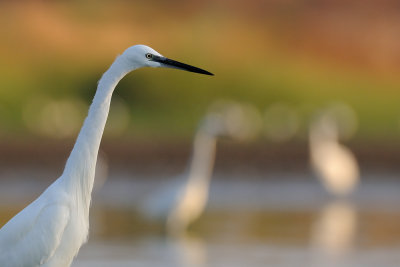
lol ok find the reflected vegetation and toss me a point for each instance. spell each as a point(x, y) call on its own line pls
point(289, 228)
point(276, 228)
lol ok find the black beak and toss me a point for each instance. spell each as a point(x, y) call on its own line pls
point(178, 65)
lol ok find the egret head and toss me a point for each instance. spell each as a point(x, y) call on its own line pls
point(232, 120)
point(144, 56)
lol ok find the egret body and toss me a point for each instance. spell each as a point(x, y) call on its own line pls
point(183, 200)
point(50, 230)
point(334, 164)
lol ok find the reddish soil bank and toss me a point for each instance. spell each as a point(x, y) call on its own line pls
point(172, 157)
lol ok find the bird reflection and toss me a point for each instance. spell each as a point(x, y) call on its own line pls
point(188, 250)
point(333, 234)
point(180, 203)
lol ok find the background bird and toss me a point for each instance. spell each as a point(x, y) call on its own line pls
point(334, 164)
point(183, 200)
point(50, 230)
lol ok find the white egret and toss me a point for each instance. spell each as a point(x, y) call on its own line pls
point(334, 164)
point(50, 230)
point(183, 200)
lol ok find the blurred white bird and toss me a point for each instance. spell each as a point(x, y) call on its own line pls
point(50, 230)
point(183, 200)
point(334, 164)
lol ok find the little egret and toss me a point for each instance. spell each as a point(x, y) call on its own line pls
point(50, 230)
point(183, 200)
point(333, 163)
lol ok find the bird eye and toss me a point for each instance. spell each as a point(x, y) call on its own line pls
point(149, 56)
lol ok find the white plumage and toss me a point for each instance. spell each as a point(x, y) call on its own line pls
point(335, 164)
point(50, 230)
point(183, 200)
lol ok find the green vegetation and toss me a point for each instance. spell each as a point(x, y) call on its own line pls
point(59, 51)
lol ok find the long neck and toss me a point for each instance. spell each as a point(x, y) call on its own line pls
point(203, 158)
point(80, 167)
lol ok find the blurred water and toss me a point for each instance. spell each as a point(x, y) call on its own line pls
point(155, 253)
point(286, 220)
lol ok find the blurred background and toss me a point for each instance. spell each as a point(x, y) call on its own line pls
point(287, 61)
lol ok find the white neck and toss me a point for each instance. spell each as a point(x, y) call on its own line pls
point(80, 167)
point(203, 158)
